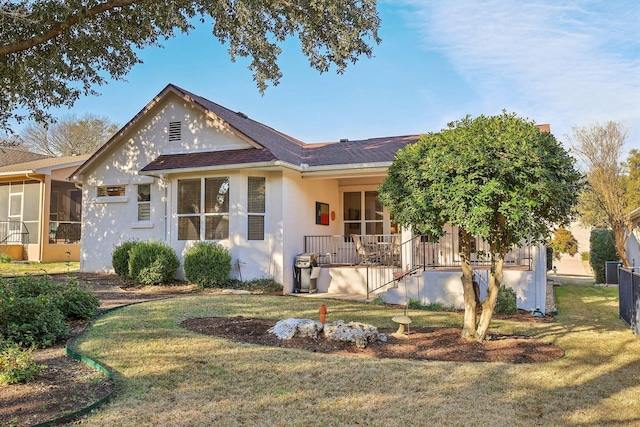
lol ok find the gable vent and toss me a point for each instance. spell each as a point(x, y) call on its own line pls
point(175, 131)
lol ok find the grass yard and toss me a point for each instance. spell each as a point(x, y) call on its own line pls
point(167, 375)
point(37, 269)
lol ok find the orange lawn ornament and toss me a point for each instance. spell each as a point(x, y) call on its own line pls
point(323, 313)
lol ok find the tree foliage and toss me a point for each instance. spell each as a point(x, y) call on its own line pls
point(563, 242)
point(68, 136)
point(632, 166)
point(600, 148)
point(51, 52)
point(499, 178)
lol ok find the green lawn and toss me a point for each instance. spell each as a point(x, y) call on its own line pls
point(170, 376)
point(34, 268)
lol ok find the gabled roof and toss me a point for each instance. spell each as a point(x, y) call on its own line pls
point(44, 166)
point(10, 156)
point(271, 146)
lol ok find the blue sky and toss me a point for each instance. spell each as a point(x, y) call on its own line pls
point(568, 63)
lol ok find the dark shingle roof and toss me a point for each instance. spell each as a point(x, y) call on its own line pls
point(209, 159)
point(283, 147)
point(271, 145)
point(375, 150)
point(11, 156)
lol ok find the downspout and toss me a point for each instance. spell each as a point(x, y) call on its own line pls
point(166, 205)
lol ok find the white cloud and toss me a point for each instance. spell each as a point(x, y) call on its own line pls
point(568, 64)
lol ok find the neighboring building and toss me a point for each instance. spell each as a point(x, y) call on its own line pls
point(11, 156)
point(40, 211)
point(633, 244)
point(185, 169)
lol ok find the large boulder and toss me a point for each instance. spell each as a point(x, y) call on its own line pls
point(289, 328)
point(359, 333)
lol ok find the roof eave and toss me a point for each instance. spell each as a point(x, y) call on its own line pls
point(345, 171)
point(258, 165)
point(18, 173)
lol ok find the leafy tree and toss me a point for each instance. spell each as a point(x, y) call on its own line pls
point(499, 178)
point(68, 136)
point(51, 52)
point(633, 179)
point(563, 242)
point(599, 148)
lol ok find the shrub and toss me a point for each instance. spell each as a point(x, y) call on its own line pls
point(120, 258)
point(602, 250)
point(152, 263)
point(585, 256)
point(76, 301)
point(549, 258)
point(33, 321)
point(33, 311)
point(5, 258)
point(439, 306)
point(17, 364)
point(263, 285)
point(207, 264)
point(377, 300)
point(506, 301)
point(414, 304)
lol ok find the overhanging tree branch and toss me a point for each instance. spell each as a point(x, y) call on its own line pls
point(58, 28)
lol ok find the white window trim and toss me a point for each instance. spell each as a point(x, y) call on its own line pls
point(111, 199)
point(258, 214)
point(203, 215)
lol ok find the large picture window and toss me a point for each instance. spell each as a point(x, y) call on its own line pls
point(203, 208)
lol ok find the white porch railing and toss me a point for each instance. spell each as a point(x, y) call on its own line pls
point(13, 233)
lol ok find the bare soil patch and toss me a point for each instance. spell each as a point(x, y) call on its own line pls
point(68, 385)
point(420, 343)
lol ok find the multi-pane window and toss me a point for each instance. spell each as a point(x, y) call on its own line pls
point(144, 202)
point(256, 207)
point(111, 190)
point(203, 208)
point(355, 204)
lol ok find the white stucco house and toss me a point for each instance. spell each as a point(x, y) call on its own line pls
point(186, 169)
point(633, 243)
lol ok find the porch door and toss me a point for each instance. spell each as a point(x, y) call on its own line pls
point(15, 215)
point(363, 213)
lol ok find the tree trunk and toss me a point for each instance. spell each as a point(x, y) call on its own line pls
point(469, 325)
point(489, 303)
point(622, 231)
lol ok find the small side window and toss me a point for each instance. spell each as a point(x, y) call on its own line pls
point(144, 202)
point(111, 190)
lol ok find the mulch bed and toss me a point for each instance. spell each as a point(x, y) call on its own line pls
point(442, 344)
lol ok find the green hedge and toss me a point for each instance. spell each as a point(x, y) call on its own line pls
point(506, 301)
point(602, 250)
point(120, 258)
point(34, 311)
point(207, 265)
point(147, 263)
point(152, 263)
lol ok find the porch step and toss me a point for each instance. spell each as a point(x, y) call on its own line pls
point(403, 290)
